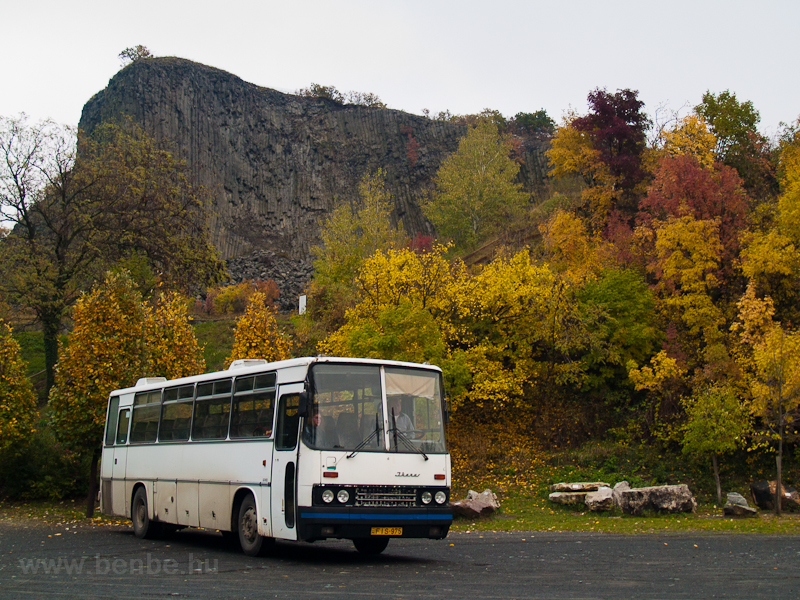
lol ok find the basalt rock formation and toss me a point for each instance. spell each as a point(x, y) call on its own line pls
point(277, 163)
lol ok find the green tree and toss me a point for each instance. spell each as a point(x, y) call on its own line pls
point(730, 121)
point(717, 423)
point(110, 348)
point(353, 232)
point(476, 189)
point(739, 144)
point(75, 214)
point(536, 123)
point(17, 400)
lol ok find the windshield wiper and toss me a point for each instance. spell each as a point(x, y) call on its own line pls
point(404, 438)
point(366, 441)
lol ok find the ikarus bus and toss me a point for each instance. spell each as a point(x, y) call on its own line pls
point(302, 449)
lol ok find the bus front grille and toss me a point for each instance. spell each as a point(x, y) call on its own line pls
point(373, 495)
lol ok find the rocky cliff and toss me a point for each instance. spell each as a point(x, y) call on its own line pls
point(278, 163)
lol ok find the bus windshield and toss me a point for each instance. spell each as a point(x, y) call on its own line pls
point(350, 412)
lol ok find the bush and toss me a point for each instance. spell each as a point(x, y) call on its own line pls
point(42, 470)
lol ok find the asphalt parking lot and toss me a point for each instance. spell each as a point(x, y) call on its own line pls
point(92, 561)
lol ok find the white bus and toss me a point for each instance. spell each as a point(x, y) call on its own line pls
point(301, 449)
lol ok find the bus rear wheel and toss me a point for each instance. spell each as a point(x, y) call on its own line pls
point(251, 542)
point(370, 545)
point(143, 527)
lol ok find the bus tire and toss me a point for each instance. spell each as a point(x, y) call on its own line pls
point(251, 542)
point(143, 527)
point(371, 545)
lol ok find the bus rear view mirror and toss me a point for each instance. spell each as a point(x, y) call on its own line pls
point(302, 408)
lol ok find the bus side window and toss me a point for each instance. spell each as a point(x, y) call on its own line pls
point(288, 422)
point(122, 428)
point(111, 419)
point(146, 411)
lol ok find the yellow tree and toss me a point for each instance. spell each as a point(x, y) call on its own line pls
point(572, 154)
point(769, 358)
point(686, 256)
point(17, 399)
point(109, 349)
point(257, 334)
point(776, 391)
point(174, 350)
point(569, 247)
point(691, 137)
point(771, 258)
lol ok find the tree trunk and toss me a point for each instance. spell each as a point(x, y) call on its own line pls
point(716, 477)
point(778, 482)
point(93, 487)
point(51, 324)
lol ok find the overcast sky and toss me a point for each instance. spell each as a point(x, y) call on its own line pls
point(463, 56)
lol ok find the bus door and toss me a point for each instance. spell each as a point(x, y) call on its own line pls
point(284, 463)
point(119, 499)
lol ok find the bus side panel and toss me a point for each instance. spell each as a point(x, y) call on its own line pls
point(164, 501)
point(214, 510)
point(188, 503)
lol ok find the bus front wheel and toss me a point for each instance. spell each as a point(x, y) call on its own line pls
point(251, 542)
point(374, 545)
point(143, 527)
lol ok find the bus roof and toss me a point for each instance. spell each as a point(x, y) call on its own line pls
point(151, 383)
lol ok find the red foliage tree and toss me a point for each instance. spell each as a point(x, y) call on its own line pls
point(682, 187)
point(618, 128)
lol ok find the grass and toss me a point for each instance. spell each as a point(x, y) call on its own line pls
point(216, 337)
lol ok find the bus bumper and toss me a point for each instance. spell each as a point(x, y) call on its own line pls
point(316, 523)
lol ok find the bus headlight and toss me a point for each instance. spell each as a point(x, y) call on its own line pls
point(440, 497)
point(327, 496)
point(343, 496)
point(426, 497)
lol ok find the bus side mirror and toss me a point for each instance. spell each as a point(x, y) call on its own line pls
point(302, 408)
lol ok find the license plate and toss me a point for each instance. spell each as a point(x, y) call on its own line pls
point(386, 531)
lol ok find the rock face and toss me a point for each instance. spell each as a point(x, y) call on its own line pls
point(277, 163)
point(291, 276)
point(664, 498)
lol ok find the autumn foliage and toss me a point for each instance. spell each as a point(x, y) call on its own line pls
point(116, 339)
point(257, 333)
point(17, 401)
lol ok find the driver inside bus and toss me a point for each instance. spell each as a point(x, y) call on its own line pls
point(402, 420)
point(314, 433)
